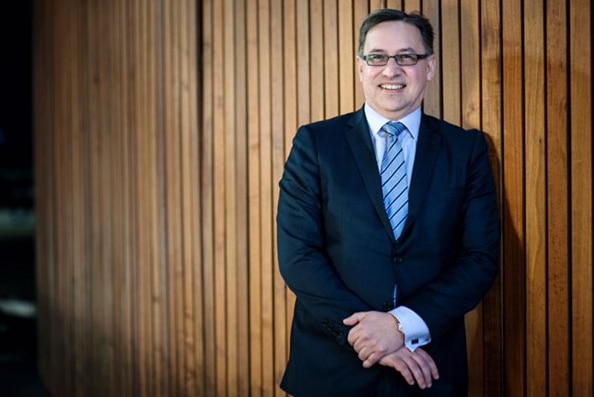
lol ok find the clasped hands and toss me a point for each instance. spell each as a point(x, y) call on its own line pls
point(376, 339)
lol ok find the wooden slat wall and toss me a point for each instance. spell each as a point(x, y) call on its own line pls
point(121, 288)
point(161, 132)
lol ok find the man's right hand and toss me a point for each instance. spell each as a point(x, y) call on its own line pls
point(413, 366)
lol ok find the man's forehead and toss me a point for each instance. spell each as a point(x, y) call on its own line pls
point(394, 32)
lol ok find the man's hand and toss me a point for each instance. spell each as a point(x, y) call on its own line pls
point(373, 335)
point(413, 366)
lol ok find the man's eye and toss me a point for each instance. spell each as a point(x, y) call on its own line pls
point(407, 57)
point(376, 57)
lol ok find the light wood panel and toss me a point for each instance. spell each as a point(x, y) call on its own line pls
point(161, 132)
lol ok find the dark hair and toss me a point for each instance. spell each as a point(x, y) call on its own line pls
point(387, 14)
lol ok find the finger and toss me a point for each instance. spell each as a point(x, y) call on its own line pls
point(356, 339)
point(417, 374)
point(355, 336)
point(369, 357)
point(419, 366)
point(362, 355)
point(353, 319)
point(361, 339)
point(431, 363)
point(351, 338)
point(396, 362)
point(415, 365)
point(422, 372)
point(406, 373)
point(371, 360)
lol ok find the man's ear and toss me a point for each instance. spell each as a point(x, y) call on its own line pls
point(431, 65)
point(360, 65)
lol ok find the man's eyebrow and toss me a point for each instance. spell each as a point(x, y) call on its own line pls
point(407, 50)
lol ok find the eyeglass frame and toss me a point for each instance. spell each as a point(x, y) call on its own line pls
point(397, 58)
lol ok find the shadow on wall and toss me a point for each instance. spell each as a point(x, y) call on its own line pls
point(18, 341)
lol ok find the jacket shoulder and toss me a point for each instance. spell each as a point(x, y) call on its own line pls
point(433, 123)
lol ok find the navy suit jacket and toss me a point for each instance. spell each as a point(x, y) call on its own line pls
point(337, 252)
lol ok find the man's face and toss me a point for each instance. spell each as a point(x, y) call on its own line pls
point(392, 90)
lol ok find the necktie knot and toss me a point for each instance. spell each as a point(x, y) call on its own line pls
point(393, 128)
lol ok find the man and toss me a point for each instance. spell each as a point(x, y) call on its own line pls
point(385, 261)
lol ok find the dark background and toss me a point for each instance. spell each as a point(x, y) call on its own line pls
point(18, 347)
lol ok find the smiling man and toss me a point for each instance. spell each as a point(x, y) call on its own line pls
point(388, 232)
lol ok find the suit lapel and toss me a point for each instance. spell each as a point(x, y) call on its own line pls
point(428, 145)
point(360, 143)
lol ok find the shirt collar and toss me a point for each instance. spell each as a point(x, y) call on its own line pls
point(376, 121)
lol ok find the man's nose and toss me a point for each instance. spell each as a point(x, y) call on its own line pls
point(392, 68)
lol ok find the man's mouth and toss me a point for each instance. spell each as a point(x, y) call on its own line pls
point(392, 87)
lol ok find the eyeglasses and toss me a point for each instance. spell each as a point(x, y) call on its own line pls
point(401, 59)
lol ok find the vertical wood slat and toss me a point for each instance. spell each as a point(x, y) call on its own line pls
point(557, 168)
point(360, 11)
point(450, 62)
point(160, 189)
point(265, 185)
point(207, 198)
point(331, 60)
point(471, 118)
point(513, 199)
point(581, 233)
point(535, 223)
point(194, 283)
point(254, 238)
point(491, 123)
point(241, 139)
point(290, 116)
point(433, 102)
point(317, 58)
point(347, 77)
point(228, 200)
point(280, 327)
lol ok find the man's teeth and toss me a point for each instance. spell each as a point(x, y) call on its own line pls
point(392, 86)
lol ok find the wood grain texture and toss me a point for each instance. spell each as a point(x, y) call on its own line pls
point(581, 204)
point(161, 131)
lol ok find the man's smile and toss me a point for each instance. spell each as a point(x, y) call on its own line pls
point(392, 86)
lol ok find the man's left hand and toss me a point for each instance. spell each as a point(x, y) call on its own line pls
point(417, 366)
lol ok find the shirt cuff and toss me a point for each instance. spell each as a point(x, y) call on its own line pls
point(416, 332)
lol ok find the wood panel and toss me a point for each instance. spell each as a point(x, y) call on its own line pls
point(117, 159)
point(490, 105)
point(513, 203)
point(161, 129)
point(580, 200)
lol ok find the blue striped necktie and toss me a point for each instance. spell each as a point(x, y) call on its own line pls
point(394, 181)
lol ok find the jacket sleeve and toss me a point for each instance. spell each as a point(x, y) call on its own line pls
point(303, 259)
point(475, 240)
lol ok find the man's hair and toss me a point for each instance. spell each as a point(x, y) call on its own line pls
point(387, 14)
